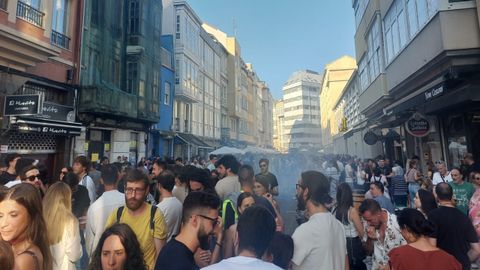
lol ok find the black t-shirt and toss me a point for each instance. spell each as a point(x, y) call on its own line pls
point(269, 178)
point(6, 177)
point(454, 232)
point(80, 201)
point(175, 256)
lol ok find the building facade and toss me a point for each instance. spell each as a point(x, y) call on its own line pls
point(119, 78)
point(161, 138)
point(200, 78)
point(278, 122)
point(39, 66)
point(427, 76)
point(301, 108)
point(335, 77)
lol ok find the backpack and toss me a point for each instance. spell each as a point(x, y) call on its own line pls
point(153, 210)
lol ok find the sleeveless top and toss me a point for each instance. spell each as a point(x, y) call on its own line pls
point(35, 258)
point(350, 230)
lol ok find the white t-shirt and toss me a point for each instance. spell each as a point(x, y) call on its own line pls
point(171, 209)
point(320, 243)
point(97, 216)
point(437, 178)
point(69, 250)
point(242, 263)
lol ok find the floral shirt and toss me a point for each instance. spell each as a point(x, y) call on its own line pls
point(474, 212)
point(393, 239)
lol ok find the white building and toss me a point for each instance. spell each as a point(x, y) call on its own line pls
point(199, 79)
point(301, 108)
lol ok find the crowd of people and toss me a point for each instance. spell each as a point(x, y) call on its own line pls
point(221, 214)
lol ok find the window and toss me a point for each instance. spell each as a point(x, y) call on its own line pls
point(33, 3)
point(3, 4)
point(155, 83)
point(403, 21)
point(134, 17)
point(59, 20)
point(360, 6)
point(166, 99)
point(132, 77)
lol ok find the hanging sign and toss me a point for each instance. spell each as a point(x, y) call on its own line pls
point(370, 138)
point(22, 105)
point(418, 125)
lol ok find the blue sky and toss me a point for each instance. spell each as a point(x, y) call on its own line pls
point(282, 36)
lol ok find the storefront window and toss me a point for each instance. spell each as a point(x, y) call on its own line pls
point(456, 139)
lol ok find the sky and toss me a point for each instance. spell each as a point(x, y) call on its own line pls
point(281, 36)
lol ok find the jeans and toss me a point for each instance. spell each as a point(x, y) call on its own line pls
point(412, 190)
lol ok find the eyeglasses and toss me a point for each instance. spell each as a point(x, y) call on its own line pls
point(32, 178)
point(297, 186)
point(263, 165)
point(130, 191)
point(213, 220)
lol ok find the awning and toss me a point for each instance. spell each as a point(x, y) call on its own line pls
point(193, 140)
point(48, 127)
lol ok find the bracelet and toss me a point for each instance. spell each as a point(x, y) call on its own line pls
point(218, 244)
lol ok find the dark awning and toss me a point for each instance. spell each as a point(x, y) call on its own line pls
point(193, 140)
point(48, 127)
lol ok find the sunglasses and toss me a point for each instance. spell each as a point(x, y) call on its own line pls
point(213, 220)
point(32, 178)
point(297, 186)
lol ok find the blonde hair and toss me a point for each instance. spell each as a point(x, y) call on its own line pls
point(57, 211)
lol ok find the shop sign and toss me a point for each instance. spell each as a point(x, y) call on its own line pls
point(418, 125)
point(370, 138)
point(54, 130)
point(4, 148)
point(435, 92)
point(52, 111)
point(22, 105)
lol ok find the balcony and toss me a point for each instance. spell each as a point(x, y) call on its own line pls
point(30, 14)
point(185, 95)
point(103, 100)
point(60, 40)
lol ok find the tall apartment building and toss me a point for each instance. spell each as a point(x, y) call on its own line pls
point(199, 81)
point(247, 97)
point(301, 107)
point(335, 78)
point(422, 83)
point(39, 66)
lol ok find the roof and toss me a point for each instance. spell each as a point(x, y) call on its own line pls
point(305, 76)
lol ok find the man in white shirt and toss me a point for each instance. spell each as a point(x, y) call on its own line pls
point(442, 175)
point(99, 211)
point(255, 229)
point(170, 206)
point(227, 168)
point(81, 167)
point(320, 243)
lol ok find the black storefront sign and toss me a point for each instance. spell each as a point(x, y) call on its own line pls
point(434, 92)
point(52, 111)
point(61, 130)
point(22, 105)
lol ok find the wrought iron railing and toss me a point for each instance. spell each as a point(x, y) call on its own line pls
point(60, 40)
point(30, 14)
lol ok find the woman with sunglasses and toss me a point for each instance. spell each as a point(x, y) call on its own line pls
point(474, 206)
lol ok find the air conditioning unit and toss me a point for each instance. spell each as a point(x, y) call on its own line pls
point(132, 50)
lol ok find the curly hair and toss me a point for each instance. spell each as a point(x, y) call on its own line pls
point(135, 259)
